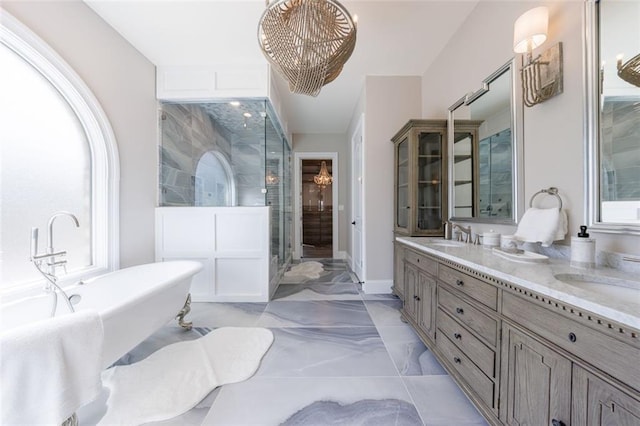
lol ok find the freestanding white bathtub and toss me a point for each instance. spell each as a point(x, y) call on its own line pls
point(132, 302)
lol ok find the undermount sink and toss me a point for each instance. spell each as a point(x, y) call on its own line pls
point(603, 285)
point(447, 243)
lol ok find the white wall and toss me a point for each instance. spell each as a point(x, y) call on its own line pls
point(331, 143)
point(554, 130)
point(123, 81)
point(390, 102)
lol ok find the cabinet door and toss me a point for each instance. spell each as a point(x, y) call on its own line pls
point(598, 403)
point(426, 305)
point(430, 185)
point(536, 382)
point(403, 194)
point(411, 290)
point(398, 271)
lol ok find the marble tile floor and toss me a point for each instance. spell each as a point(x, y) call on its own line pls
point(339, 357)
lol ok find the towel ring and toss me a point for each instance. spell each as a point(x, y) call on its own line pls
point(551, 191)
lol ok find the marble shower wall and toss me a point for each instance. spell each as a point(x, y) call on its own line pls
point(620, 149)
point(188, 132)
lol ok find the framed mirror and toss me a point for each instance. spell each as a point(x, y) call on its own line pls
point(485, 152)
point(613, 116)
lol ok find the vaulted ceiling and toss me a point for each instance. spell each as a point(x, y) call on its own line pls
point(395, 38)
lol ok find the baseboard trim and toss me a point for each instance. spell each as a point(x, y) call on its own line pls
point(377, 286)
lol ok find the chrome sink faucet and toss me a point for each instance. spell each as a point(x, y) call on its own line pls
point(466, 231)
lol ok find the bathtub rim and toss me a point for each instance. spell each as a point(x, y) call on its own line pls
point(31, 293)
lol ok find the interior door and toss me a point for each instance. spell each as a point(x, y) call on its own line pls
point(356, 223)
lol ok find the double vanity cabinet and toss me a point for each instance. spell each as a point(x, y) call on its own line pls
point(522, 357)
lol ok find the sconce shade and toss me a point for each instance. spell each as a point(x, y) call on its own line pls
point(530, 29)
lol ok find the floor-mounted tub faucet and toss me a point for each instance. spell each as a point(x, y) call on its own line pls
point(50, 262)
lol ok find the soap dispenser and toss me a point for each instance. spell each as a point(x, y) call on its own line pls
point(583, 250)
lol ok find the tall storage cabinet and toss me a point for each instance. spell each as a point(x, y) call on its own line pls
point(420, 184)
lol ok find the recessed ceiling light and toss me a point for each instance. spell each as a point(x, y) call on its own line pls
point(234, 103)
point(246, 114)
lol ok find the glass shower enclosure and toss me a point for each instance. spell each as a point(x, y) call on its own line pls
point(228, 153)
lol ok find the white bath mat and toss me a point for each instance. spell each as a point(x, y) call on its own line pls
point(174, 379)
point(308, 270)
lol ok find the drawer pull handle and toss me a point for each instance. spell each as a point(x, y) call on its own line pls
point(460, 283)
point(460, 311)
point(417, 298)
point(457, 360)
point(555, 422)
point(572, 338)
point(457, 336)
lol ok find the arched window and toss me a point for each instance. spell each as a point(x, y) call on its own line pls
point(57, 153)
point(215, 185)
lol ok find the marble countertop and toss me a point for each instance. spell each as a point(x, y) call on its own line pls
point(619, 304)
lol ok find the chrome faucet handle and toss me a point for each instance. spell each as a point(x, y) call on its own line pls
point(476, 240)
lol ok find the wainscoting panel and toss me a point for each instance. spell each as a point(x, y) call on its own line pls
point(232, 243)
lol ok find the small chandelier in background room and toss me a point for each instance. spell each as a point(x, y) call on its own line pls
point(630, 71)
point(271, 179)
point(323, 178)
point(542, 76)
point(307, 41)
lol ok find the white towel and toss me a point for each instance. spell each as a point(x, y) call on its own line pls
point(542, 225)
point(50, 368)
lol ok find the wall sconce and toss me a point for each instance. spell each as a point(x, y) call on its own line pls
point(542, 76)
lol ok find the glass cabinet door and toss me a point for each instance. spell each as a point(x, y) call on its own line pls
point(402, 184)
point(430, 185)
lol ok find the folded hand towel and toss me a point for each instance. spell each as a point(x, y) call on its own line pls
point(50, 368)
point(542, 225)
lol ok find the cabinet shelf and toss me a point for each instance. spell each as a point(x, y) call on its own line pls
point(459, 158)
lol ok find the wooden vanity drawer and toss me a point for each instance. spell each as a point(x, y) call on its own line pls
point(483, 292)
point(472, 317)
point(478, 352)
point(472, 375)
point(428, 265)
point(604, 352)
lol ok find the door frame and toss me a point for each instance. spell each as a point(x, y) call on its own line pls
point(297, 191)
point(359, 131)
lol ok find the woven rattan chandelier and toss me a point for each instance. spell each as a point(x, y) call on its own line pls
point(630, 72)
point(307, 41)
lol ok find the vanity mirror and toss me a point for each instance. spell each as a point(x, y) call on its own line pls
point(613, 117)
point(485, 152)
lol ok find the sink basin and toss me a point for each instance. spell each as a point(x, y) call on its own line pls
point(447, 243)
point(603, 285)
